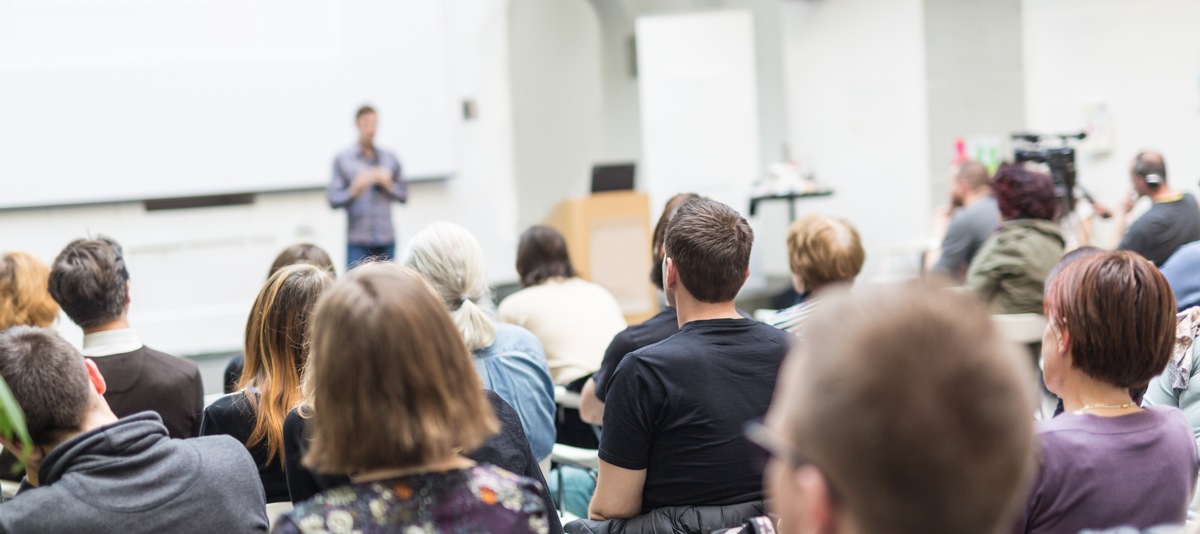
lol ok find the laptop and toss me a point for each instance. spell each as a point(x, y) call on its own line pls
point(613, 177)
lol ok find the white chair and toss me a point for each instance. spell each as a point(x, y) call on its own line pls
point(587, 459)
point(566, 398)
point(1026, 329)
point(276, 509)
point(9, 488)
point(1023, 328)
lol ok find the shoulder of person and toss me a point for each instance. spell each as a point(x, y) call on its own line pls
point(511, 337)
point(233, 405)
point(294, 424)
point(221, 452)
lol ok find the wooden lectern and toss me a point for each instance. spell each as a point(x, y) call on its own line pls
point(608, 235)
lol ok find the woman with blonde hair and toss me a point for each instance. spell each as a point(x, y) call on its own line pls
point(24, 301)
point(394, 400)
point(276, 351)
point(24, 291)
point(509, 359)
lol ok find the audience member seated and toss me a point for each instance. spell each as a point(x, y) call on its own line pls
point(396, 397)
point(24, 292)
point(1183, 272)
point(1010, 270)
point(24, 300)
point(972, 214)
point(1175, 386)
point(508, 450)
point(300, 253)
point(822, 251)
point(930, 434)
point(508, 358)
point(90, 472)
point(276, 349)
point(1106, 462)
point(1172, 222)
point(675, 410)
point(663, 325)
point(90, 281)
point(573, 318)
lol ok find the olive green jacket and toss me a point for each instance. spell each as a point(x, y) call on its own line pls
point(1010, 270)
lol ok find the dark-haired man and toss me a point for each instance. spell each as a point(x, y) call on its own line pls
point(1172, 222)
point(90, 472)
point(366, 179)
point(675, 410)
point(973, 216)
point(91, 284)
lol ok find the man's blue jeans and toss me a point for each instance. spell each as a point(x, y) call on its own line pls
point(355, 254)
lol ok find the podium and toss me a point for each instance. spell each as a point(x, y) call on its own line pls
point(608, 236)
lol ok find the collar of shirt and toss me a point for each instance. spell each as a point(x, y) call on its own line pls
point(361, 154)
point(110, 342)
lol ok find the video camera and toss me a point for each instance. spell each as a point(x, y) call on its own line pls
point(1060, 159)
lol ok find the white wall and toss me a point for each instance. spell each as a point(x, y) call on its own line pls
point(196, 272)
point(856, 100)
point(555, 66)
point(975, 78)
point(1141, 59)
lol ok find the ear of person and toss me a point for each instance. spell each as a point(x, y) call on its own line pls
point(817, 513)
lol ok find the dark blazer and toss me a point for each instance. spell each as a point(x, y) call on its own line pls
point(149, 380)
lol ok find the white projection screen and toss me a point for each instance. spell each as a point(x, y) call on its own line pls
point(112, 100)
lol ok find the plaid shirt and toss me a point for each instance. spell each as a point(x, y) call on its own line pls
point(369, 215)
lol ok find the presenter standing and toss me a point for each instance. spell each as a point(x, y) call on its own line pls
point(365, 181)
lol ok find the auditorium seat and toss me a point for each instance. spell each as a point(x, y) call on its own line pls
point(276, 509)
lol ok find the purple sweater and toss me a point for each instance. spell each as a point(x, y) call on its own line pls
point(1101, 472)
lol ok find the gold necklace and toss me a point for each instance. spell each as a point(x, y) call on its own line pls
point(1087, 407)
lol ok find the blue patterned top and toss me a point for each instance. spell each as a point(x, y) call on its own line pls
point(476, 499)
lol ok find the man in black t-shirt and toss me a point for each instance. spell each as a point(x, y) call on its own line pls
point(1172, 222)
point(676, 409)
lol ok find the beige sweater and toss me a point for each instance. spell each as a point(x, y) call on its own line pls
point(575, 320)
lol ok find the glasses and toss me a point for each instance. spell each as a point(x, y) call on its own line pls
point(766, 444)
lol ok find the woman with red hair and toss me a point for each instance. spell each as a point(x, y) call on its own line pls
point(1012, 265)
point(1105, 461)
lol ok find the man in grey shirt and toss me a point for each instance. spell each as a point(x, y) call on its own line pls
point(973, 219)
point(91, 472)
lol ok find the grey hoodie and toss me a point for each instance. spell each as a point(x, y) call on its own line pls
point(129, 477)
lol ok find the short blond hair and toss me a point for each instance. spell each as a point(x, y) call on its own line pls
point(824, 250)
point(393, 383)
point(25, 291)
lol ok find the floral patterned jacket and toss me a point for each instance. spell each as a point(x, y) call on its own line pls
point(478, 499)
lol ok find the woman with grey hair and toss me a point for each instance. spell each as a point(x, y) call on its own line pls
point(509, 359)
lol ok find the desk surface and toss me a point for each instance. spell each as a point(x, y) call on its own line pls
point(790, 197)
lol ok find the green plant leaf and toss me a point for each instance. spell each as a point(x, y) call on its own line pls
point(12, 422)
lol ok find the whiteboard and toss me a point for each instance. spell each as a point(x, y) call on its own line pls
point(109, 100)
point(699, 99)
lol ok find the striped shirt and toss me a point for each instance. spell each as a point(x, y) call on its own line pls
point(369, 215)
point(792, 319)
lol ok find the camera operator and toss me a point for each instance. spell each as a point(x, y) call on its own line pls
point(1173, 220)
